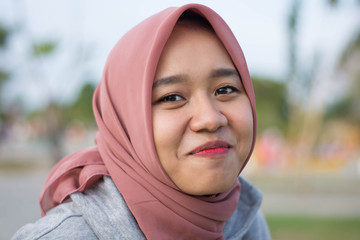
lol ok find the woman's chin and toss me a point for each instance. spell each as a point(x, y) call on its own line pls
point(208, 189)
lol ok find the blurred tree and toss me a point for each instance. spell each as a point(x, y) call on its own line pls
point(271, 104)
point(54, 126)
point(4, 34)
point(43, 48)
point(294, 88)
point(4, 77)
point(335, 3)
point(299, 82)
point(348, 107)
point(57, 117)
point(311, 122)
point(81, 109)
point(53, 113)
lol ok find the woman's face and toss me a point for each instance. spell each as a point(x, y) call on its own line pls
point(202, 118)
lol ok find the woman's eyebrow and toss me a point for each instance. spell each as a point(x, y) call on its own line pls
point(223, 72)
point(169, 80)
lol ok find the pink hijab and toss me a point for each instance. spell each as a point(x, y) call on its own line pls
point(125, 147)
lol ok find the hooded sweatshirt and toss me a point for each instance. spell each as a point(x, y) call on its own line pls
point(101, 213)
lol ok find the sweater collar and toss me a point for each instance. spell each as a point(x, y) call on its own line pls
point(97, 206)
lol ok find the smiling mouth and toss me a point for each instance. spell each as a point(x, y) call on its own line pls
point(211, 149)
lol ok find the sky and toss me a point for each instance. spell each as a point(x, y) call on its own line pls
point(85, 32)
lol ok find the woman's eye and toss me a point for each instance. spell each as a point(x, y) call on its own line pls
point(171, 98)
point(226, 90)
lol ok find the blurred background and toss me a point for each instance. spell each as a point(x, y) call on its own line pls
point(304, 58)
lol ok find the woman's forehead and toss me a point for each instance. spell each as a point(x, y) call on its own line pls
point(192, 49)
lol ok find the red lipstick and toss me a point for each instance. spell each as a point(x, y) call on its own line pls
point(211, 149)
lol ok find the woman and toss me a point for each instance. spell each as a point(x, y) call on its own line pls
point(176, 115)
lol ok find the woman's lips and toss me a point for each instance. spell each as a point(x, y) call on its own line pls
point(211, 149)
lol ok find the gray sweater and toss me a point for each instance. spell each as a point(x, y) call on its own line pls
point(92, 215)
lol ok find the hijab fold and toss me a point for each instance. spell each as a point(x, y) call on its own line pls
point(125, 148)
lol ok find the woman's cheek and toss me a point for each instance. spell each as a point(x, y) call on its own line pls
point(168, 126)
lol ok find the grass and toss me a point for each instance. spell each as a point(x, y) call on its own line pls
point(313, 228)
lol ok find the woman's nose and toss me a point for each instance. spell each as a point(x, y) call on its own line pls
point(206, 116)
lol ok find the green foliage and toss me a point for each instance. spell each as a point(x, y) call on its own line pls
point(339, 109)
point(81, 109)
point(307, 227)
point(294, 15)
point(352, 48)
point(3, 77)
point(292, 27)
point(43, 48)
point(78, 111)
point(4, 34)
point(271, 104)
point(346, 109)
point(333, 3)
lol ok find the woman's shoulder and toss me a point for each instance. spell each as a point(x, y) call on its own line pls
point(61, 222)
point(89, 215)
